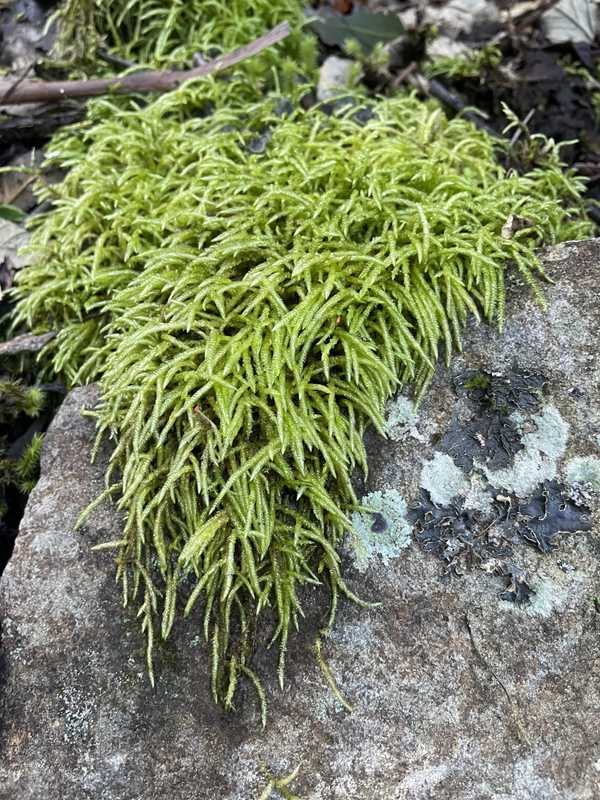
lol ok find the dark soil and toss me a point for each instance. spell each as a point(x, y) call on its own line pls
point(540, 81)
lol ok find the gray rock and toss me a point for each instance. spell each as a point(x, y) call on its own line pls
point(457, 693)
point(334, 77)
point(12, 238)
point(447, 47)
point(461, 17)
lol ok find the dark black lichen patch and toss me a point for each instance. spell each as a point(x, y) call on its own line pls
point(460, 537)
point(380, 524)
point(553, 510)
point(466, 540)
point(486, 531)
point(491, 437)
point(517, 588)
point(517, 390)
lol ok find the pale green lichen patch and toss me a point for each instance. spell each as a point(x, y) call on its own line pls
point(384, 531)
point(518, 418)
point(584, 469)
point(549, 596)
point(538, 461)
point(477, 498)
point(550, 436)
point(443, 479)
point(400, 417)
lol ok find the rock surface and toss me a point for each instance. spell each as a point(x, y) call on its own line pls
point(335, 76)
point(457, 693)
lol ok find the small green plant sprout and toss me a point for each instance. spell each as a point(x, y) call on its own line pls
point(376, 60)
point(249, 283)
point(527, 150)
point(26, 468)
point(476, 63)
point(18, 470)
point(16, 399)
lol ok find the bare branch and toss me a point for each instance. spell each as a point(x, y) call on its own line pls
point(150, 81)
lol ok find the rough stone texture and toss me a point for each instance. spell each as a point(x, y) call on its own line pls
point(13, 237)
point(457, 694)
point(334, 77)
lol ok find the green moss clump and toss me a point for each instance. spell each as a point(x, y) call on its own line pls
point(160, 34)
point(478, 381)
point(18, 466)
point(249, 288)
point(472, 64)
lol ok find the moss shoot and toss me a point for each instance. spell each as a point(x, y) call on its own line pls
point(249, 283)
point(159, 34)
point(18, 466)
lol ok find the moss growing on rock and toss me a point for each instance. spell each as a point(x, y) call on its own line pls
point(250, 283)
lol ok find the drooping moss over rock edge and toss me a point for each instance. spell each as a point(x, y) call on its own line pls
point(250, 283)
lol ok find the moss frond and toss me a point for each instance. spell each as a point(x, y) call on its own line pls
point(249, 310)
point(279, 786)
point(159, 34)
point(471, 64)
point(19, 451)
point(16, 399)
point(27, 466)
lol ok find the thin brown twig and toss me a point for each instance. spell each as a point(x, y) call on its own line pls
point(404, 74)
point(150, 81)
point(522, 127)
point(14, 85)
point(113, 60)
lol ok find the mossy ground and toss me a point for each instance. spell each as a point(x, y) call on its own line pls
point(158, 34)
point(20, 445)
point(250, 282)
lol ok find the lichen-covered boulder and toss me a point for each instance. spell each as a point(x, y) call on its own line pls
point(478, 676)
